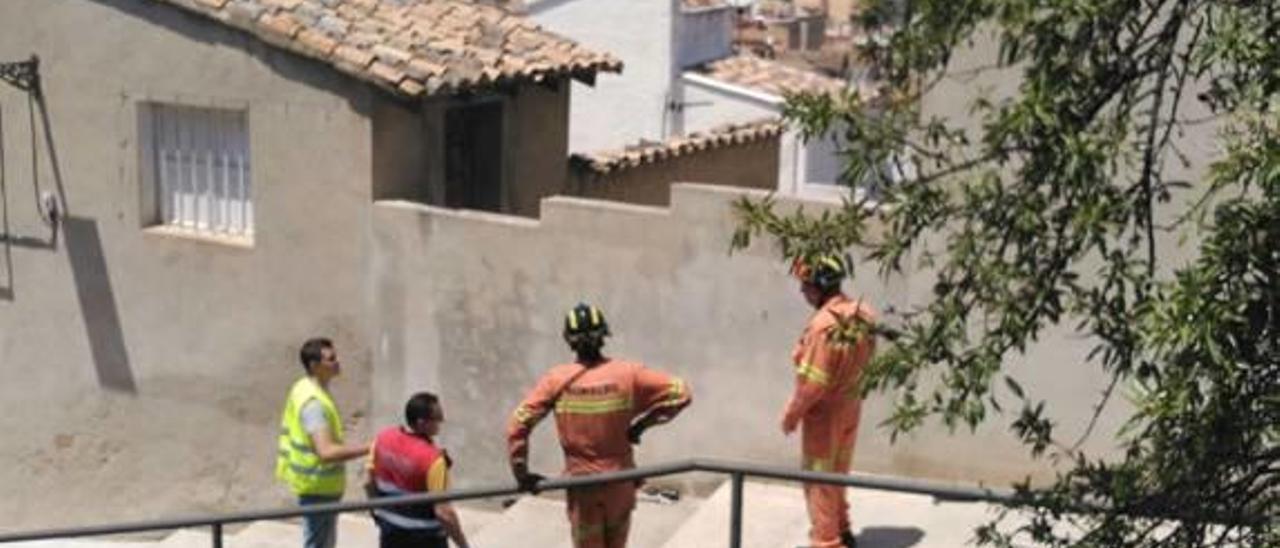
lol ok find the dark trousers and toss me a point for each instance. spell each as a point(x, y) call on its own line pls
point(392, 537)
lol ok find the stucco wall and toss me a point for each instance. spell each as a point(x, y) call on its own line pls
point(481, 331)
point(704, 34)
point(972, 74)
point(716, 103)
point(149, 369)
point(538, 137)
point(620, 108)
point(404, 165)
point(751, 165)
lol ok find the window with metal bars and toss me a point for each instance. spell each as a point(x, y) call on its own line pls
point(198, 174)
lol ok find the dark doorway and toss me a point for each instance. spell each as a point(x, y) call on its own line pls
point(473, 156)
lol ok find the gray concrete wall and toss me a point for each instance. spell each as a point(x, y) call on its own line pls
point(619, 109)
point(151, 366)
point(1063, 374)
point(799, 163)
point(404, 163)
point(481, 330)
point(538, 133)
point(704, 34)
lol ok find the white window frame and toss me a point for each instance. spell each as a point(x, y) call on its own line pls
point(196, 170)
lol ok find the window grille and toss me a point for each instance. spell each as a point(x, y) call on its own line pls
point(202, 169)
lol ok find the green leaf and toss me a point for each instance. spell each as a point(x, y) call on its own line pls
point(1014, 387)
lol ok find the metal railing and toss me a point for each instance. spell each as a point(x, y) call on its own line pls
point(737, 472)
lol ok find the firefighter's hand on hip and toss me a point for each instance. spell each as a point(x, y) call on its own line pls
point(789, 422)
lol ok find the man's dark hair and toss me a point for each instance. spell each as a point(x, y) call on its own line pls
point(311, 351)
point(419, 406)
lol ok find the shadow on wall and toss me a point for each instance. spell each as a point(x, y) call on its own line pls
point(84, 251)
point(889, 537)
point(35, 101)
point(93, 285)
point(98, 305)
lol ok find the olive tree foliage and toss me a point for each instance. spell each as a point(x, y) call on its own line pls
point(1048, 207)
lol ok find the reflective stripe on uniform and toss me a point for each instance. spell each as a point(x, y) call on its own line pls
point(812, 374)
point(592, 407)
point(675, 394)
point(387, 488)
point(816, 464)
point(404, 522)
point(300, 447)
point(522, 415)
point(676, 390)
point(322, 470)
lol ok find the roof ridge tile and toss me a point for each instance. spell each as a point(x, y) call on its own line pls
point(458, 43)
point(647, 151)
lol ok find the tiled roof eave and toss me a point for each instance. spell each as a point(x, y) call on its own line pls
point(606, 162)
point(771, 77)
point(440, 86)
point(286, 34)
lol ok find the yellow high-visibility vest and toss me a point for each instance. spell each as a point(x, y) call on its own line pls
point(297, 463)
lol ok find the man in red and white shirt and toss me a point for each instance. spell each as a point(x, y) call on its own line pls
point(405, 460)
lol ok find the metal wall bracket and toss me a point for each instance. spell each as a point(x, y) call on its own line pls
point(24, 75)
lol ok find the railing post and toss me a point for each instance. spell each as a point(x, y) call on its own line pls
point(735, 510)
point(217, 535)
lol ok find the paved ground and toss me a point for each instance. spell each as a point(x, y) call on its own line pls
point(774, 517)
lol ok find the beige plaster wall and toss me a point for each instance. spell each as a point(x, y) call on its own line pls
point(537, 145)
point(150, 368)
point(480, 331)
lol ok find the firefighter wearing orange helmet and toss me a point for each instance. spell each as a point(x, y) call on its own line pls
point(826, 404)
point(602, 407)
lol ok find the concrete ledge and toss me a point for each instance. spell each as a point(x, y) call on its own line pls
point(465, 214)
point(569, 203)
point(596, 217)
point(193, 235)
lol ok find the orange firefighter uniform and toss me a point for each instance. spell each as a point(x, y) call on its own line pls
point(827, 405)
point(594, 407)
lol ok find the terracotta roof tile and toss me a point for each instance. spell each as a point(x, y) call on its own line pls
point(355, 57)
point(770, 76)
point(702, 4)
point(648, 152)
point(320, 44)
point(411, 87)
point(411, 47)
point(387, 73)
point(283, 4)
point(282, 25)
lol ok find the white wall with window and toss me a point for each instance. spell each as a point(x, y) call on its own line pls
point(196, 169)
point(619, 109)
point(810, 168)
point(704, 34)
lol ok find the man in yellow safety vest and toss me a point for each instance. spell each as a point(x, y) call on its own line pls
point(311, 447)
